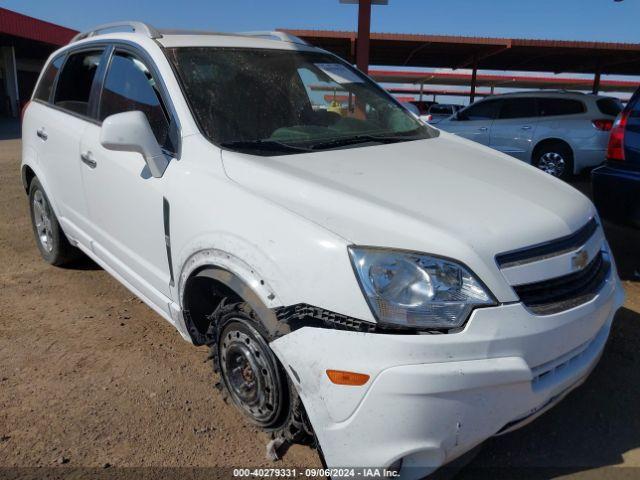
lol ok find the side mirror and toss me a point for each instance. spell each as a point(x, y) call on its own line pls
point(131, 132)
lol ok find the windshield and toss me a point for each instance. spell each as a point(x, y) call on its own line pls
point(288, 101)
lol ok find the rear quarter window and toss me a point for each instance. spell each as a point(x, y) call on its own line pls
point(76, 78)
point(550, 107)
point(609, 106)
point(44, 88)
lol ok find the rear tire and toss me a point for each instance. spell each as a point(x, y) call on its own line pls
point(251, 375)
point(50, 239)
point(554, 158)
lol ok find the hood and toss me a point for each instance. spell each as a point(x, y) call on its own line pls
point(446, 196)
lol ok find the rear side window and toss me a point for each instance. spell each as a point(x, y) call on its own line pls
point(609, 106)
point(486, 110)
point(129, 86)
point(74, 85)
point(559, 106)
point(518, 108)
point(43, 92)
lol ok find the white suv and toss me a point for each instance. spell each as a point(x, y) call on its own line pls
point(392, 294)
point(561, 133)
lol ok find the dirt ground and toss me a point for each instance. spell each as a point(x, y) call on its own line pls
point(91, 377)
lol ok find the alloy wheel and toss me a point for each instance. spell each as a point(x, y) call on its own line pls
point(552, 163)
point(42, 220)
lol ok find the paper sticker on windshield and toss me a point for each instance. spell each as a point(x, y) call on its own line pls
point(339, 73)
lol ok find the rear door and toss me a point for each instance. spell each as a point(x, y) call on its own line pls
point(512, 131)
point(474, 122)
point(59, 126)
point(127, 204)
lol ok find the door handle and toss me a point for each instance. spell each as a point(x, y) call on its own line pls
point(483, 129)
point(87, 157)
point(526, 127)
point(42, 133)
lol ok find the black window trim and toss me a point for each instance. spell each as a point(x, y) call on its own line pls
point(175, 127)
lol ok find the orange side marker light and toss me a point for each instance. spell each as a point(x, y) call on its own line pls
point(340, 377)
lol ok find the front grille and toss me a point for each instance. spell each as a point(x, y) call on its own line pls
point(561, 293)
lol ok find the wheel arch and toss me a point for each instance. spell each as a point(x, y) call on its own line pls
point(27, 175)
point(209, 277)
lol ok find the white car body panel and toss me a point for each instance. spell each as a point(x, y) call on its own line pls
point(282, 225)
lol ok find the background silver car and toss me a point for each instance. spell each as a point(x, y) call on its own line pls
point(559, 132)
point(440, 111)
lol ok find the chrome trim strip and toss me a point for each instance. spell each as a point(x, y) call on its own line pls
point(548, 249)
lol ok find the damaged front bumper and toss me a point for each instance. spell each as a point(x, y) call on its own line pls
point(431, 398)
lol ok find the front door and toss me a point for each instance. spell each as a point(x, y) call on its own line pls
point(512, 131)
point(474, 122)
point(126, 203)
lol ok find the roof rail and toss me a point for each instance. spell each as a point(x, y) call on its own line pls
point(274, 34)
point(143, 28)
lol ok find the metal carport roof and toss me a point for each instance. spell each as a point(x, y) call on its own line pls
point(443, 51)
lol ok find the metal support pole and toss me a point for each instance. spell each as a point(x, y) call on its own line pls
point(474, 75)
point(421, 90)
point(8, 56)
point(596, 81)
point(364, 29)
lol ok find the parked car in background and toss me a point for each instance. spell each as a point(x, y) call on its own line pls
point(616, 185)
point(561, 133)
point(423, 105)
point(439, 111)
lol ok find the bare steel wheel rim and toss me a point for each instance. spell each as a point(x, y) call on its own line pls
point(42, 220)
point(249, 376)
point(552, 163)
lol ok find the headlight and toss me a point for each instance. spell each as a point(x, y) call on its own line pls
point(415, 290)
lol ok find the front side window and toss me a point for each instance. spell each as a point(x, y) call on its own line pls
point(129, 86)
point(518, 108)
point(74, 85)
point(288, 101)
point(43, 91)
point(485, 110)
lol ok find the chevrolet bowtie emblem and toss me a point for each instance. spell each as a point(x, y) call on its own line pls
point(580, 260)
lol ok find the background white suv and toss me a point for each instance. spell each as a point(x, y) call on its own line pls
point(559, 132)
point(364, 282)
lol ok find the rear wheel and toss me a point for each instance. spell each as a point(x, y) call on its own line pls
point(251, 375)
point(554, 158)
point(50, 239)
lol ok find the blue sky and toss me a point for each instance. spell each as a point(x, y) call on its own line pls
point(598, 20)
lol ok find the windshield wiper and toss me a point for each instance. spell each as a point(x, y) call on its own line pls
point(265, 145)
point(340, 142)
